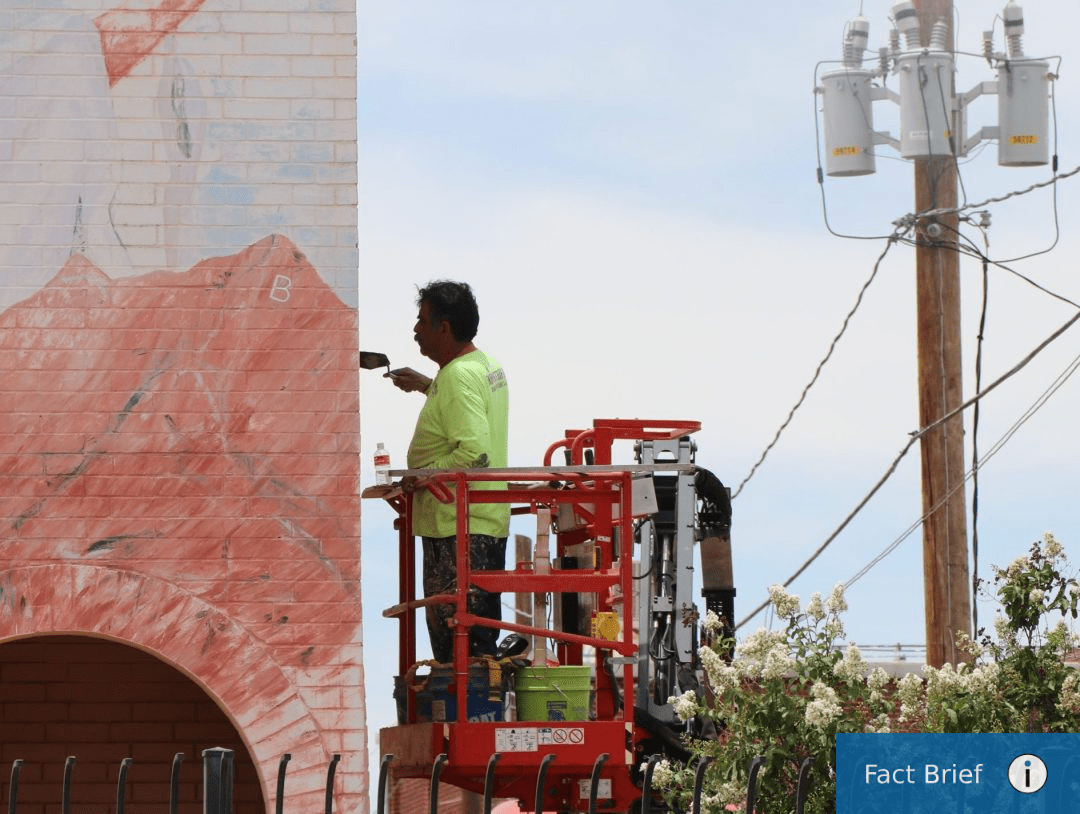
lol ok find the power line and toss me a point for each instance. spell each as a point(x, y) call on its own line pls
point(1024, 418)
point(915, 436)
point(934, 213)
point(817, 372)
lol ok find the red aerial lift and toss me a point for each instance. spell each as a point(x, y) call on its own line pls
point(635, 636)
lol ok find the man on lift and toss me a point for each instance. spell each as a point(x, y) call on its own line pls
point(462, 425)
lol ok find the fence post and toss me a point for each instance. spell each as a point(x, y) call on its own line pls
point(646, 785)
point(217, 780)
point(541, 775)
point(284, 762)
point(13, 789)
point(330, 784)
point(65, 803)
point(594, 781)
point(803, 789)
point(489, 781)
point(121, 784)
point(436, 773)
point(699, 781)
point(384, 770)
point(174, 783)
point(751, 783)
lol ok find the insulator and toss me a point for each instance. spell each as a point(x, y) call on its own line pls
point(988, 45)
point(939, 36)
point(883, 60)
point(907, 20)
point(894, 40)
point(1014, 28)
point(858, 35)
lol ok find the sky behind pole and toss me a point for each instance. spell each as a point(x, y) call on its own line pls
point(631, 188)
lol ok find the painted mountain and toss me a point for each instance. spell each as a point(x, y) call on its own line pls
point(209, 417)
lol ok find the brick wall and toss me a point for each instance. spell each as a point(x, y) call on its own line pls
point(102, 702)
point(179, 422)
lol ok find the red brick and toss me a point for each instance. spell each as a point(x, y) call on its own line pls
point(16, 713)
point(99, 712)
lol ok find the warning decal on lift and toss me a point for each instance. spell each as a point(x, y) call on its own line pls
point(515, 740)
point(556, 737)
point(528, 739)
point(603, 789)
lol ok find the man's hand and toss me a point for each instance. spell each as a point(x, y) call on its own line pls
point(407, 379)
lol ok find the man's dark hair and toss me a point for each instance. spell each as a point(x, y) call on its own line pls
point(453, 302)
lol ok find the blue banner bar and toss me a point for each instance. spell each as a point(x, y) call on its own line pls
point(918, 773)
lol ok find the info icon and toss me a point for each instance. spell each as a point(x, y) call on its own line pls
point(1027, 774)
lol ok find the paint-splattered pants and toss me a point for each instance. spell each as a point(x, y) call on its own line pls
point(486, 553)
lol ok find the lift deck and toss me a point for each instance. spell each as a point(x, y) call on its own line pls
point(589, 507)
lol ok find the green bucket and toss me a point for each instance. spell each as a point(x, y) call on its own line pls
point(553, 693)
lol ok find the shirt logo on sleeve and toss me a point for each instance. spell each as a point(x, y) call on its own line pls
point(496, 380)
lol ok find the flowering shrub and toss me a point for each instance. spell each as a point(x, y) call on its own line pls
point(1028, 650)
point(787, 693)
point(785, 696)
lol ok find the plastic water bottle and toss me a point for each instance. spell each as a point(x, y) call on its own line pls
point(382, 466)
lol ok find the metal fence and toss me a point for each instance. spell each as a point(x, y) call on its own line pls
point(217, 783)
point(647, 807)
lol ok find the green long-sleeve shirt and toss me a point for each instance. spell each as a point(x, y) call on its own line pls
point(463, 425)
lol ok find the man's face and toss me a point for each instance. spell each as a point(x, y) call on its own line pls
point(425, 333)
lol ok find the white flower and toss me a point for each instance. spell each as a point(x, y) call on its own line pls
point(712, 623)
point(685, 705)
point(968, 645)
point(1069, 702)
point(786, 605)
point(757, 645)
point(1018, 565)
point(1001, 627)
point(834, 629)
point(731, 793)
point(1036, 596)
point(1054, 549)
point(836, 602)
point(877, 678)
point(778, 663)
point(815, 608)
point(764, 653)
point(722, 676)
point(910, 691)
point(825, 708)
point(663, 774)
point(851, 666)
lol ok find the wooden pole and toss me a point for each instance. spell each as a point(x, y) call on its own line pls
point(945, 558)
point(523, 602)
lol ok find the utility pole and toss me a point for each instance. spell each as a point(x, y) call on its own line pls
point(945, 557)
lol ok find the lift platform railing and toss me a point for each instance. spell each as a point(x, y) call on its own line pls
point(601, 496)
point(600, 500)
point(589, 508)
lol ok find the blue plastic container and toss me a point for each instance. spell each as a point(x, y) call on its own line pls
point(437, 699)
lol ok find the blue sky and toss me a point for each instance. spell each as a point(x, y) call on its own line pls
point(631, 189)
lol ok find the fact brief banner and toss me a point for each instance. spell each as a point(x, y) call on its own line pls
point(918, 773)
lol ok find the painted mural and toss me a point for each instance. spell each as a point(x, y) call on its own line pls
point(179, 419)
